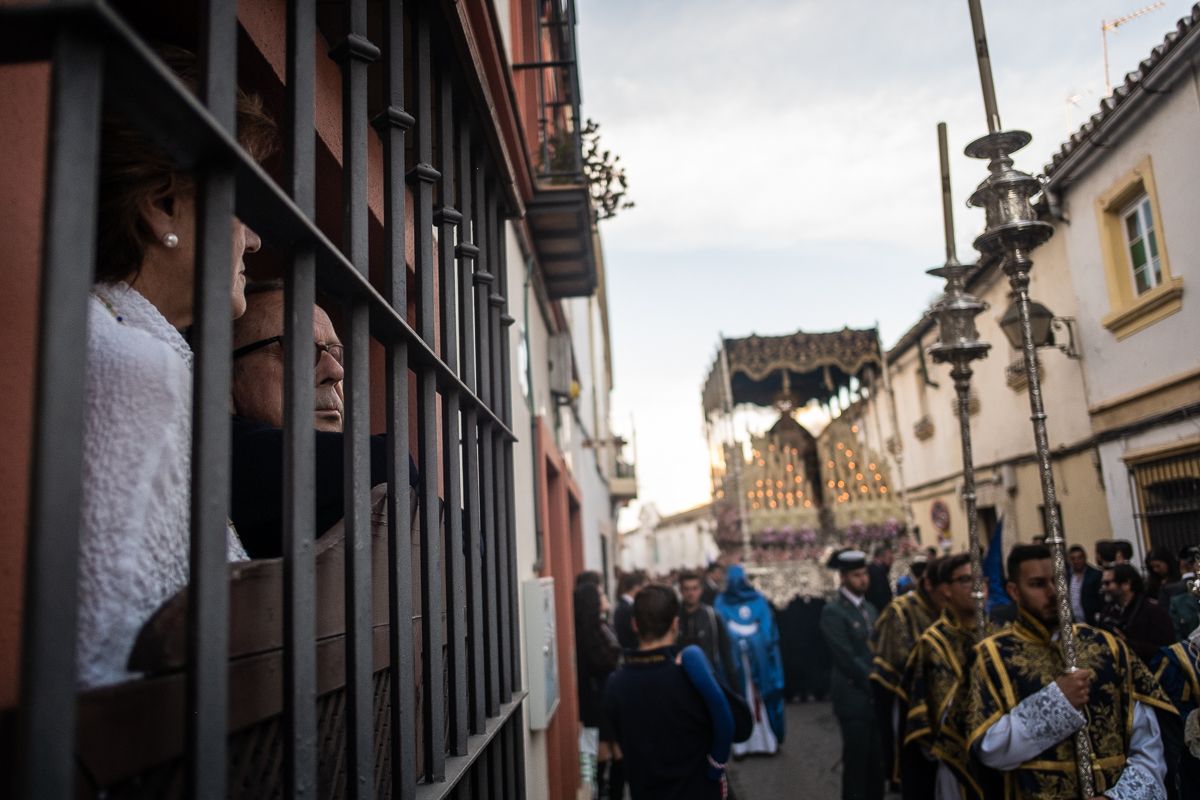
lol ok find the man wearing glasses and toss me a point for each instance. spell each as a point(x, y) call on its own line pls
point(256, 505)
point(936, 683)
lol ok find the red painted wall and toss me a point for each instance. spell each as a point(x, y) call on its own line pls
point(563, 560)
point(24, 110)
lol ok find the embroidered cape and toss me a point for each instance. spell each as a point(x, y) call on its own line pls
point(896, 632)
point(1018, 662)
point(1176, 669)
point(936, 683)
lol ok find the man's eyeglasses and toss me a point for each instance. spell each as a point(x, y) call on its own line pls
point(336, 351)
point(963, 580)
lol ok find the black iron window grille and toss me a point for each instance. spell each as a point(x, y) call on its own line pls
point(1167, 493)
point(310, 716)
point(556, 77)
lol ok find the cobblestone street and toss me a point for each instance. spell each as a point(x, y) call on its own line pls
point(808, 764)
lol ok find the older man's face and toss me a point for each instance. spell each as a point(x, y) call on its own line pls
point(258, 375)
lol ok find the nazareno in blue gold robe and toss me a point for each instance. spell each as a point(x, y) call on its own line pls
point(1177, 670)
point(1020, 661)
point(936, 683)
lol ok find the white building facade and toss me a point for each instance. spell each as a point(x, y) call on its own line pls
point(1127, 192)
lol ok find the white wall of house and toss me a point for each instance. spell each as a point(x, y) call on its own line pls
point(659, 545)
point(1001, 433)
point(523, 475)
point(586, 432)
point(1153, 370)
point(1168, 135)
point(574, 427)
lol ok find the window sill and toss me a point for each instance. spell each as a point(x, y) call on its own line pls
point(1161, 301)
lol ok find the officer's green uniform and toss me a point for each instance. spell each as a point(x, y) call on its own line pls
point(847, 630)
point(1185, 614)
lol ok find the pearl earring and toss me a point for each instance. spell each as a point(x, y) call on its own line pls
point(170, 240)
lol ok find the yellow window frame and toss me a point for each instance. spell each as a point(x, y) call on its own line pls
point(1129, 311)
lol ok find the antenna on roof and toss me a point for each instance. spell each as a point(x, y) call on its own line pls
point(1107, 25)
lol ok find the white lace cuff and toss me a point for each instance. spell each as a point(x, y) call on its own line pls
point(1046, 717)
point(1038, 722)
point(1136, 784)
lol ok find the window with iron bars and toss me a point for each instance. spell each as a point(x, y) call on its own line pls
point(385, 663)
point(1167, 493)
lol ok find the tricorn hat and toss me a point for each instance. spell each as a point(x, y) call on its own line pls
point(847, 559)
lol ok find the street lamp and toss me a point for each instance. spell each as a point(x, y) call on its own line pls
point(958, 345)
point(1043, 323)
point(1013, 231)
point(1040, 318)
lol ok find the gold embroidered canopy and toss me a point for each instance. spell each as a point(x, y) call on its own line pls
point(796, 368)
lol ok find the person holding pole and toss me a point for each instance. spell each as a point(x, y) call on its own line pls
point(897, 630)
point(1024, 708)
point(936, 684)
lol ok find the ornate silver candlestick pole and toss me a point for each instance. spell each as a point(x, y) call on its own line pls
point(1013, 231)
point(958, 345)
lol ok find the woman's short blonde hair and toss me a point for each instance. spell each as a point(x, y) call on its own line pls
point(132, 167)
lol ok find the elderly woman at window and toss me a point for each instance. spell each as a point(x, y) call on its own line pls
point(135, 527)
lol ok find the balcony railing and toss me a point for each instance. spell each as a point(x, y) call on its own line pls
point(623, 485)
point(348, 700)
point(559, 214)
point(559, 158)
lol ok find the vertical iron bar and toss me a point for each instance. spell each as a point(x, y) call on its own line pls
point(46, 732)
point(512, 767)
point(299, 583)
point(360, 691)
point(354, 53)
point(495, 776)
point(208, 606)
point(572, 56)
point(502, 577)
point(510, 519)
point(393, 125)
point(518, 734)
point(467, 256)
point(448, 220)
point(483, 282)
point(495, 304)
point(425, 176)
point(482, 771)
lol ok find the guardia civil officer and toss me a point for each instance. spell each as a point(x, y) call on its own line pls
point(846, 623)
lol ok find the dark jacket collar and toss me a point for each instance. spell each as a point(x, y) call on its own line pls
point(1029, 627)
point(650, 658)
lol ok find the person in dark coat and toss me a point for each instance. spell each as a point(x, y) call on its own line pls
point(1085, 586)
point(597, 654)
point(879, 593)
point(714, 583)
point(701, 625)
point(1162, 570)
point(805, 656)
point(667, 710)
point(1142, 623)
point(256, 474)
point(628, 587)
point(846, 622)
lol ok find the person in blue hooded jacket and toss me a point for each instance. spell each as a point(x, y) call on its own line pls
point(758, 665)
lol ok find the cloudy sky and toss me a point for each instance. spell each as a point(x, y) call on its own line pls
point(783, 158)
